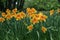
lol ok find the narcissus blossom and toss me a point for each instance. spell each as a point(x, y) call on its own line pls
point(44, 29)
point(30, 27)
point(2, 19)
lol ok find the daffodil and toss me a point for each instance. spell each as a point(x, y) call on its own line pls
point(37, 16)
point(3, 14)
point(31, 10)
point(13, 15)
point(8, 16)
point(28, 10)
point(51, 12)
point(18, 17)
point(14, 10)
point(22, 14)
point(34, 20)
point(8, 11)
point(42, 17)
point(30, 27)
point(31, 15)
point(2, 19)
point(44, 29)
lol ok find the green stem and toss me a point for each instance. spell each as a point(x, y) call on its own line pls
point(37, 34)
point(51, 35)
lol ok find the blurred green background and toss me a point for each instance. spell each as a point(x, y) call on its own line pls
point(37, 4)
point(42, 4)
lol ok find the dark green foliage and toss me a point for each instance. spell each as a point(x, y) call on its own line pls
point(42, 4)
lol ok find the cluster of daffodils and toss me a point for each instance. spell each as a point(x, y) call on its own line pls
point(32, 13)
point(8, 15)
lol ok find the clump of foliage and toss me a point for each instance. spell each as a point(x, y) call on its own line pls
point(30, 25)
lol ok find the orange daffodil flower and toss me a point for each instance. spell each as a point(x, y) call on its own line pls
point(42, 17)
point(2, 19)
point(20, 16)
point(30, 27)
point(13, 14)
point(34, 20)
point(3, 14)
point(31, 11)
point(51, 12)
point(8, 16)
point(14, 10)
point(8, 11)
point(44, 29)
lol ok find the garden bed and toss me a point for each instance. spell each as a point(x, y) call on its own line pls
point(30, 25)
